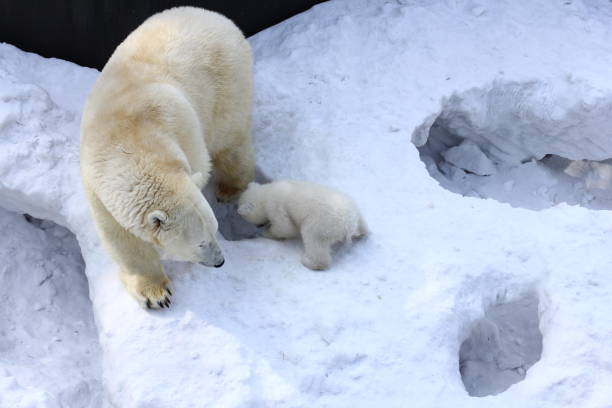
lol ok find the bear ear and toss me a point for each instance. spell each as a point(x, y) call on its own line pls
point(198, 179)
point(246, 208)
point(156, 218)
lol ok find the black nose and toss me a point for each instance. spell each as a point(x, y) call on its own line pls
point(220, 264)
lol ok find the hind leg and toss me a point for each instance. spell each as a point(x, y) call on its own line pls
point(362, 228)
point(317, 255)
point(234, 169)
point(317, 249)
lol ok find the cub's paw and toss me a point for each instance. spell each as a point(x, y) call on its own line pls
point(315, 264)
point(151, 293)
point(267, 233)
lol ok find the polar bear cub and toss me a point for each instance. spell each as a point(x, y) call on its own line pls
point(322, 216)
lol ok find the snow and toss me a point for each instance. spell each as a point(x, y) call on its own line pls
point(468, 156)
point(368, 97)
point(534, 135)
point(501, 347)
point(49, 353)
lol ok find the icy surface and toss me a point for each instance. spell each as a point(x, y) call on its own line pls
point(344, 94)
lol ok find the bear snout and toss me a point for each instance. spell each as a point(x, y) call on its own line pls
point(217, 264)
point(211, 255)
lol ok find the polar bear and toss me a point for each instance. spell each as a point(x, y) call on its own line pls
point(172, 103)
point(322, 216)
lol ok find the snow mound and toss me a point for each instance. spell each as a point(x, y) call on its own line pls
point(49, 352)
point(501, 346)
point(540, 143)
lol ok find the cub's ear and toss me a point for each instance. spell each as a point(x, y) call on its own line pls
point(156, 218)
point(198, 179)
point(246, 208)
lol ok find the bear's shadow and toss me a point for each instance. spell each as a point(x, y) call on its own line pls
point(231, 225)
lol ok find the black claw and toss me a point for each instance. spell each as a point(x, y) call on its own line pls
point(160, 304)
point(148, 304)
point(167, 304)
point(168, 290)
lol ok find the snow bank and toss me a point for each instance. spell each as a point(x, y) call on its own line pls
point(342, 91)
point(49, 353)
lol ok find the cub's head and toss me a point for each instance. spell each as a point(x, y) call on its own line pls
point(186, 231)
point(251, 205)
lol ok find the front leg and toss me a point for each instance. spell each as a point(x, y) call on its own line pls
point(140, 268)
point(151, 290)
point(281, 226)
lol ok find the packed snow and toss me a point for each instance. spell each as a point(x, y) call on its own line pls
point(415, 109)
point(49, 351)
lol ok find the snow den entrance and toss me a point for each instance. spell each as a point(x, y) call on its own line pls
point(531, 145)
point(501, 347)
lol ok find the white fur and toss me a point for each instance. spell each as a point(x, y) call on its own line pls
point(172, 103)
point(322, 216)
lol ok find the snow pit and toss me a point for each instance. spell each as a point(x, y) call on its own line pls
point(501, 347)
point(532, 145)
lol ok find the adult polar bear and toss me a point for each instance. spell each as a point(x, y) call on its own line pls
point(173, 101)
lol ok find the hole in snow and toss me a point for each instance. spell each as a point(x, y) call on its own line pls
point(527, 144)
point(48, 339)
point(501, 347)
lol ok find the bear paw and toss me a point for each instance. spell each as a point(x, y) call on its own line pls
point(150, 293)
point(315, 264)
point(267, 233)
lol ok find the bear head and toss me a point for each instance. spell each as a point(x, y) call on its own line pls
point(186, 229)
point(251, 205)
